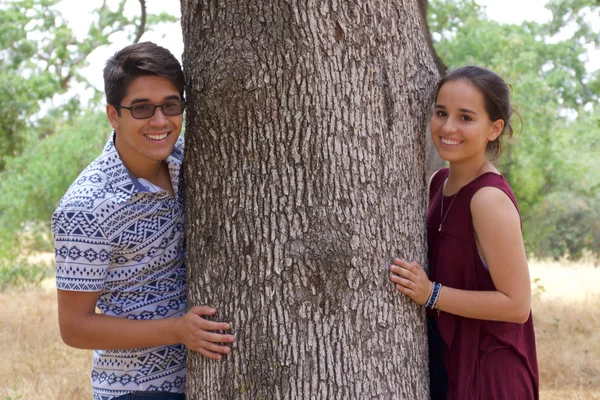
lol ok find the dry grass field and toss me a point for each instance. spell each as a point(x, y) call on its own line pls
point(37, 365)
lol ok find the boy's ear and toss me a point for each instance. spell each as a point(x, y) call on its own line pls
point(113, 117)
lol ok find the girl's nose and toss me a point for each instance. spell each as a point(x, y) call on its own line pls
point(448, 126)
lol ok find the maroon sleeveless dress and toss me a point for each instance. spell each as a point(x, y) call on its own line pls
point(483, 359)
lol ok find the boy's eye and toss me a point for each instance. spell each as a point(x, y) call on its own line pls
point(171, 105)
point(441, 113)
point(467, 118)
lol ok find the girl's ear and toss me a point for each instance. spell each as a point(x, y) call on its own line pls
point(111, 113)
point(497, 128)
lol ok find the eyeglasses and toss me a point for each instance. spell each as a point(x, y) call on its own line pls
point(144, 111)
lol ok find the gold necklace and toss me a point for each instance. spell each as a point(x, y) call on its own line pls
point(442, 215)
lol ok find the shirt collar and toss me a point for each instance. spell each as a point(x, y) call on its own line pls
point(125, 185)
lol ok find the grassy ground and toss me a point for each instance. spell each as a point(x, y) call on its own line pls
point(37, 365)
point(566, 311)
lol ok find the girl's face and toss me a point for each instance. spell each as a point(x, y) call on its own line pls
point(460, 126)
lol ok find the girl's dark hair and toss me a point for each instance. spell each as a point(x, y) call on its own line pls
point(496, 95)
point(139, 59)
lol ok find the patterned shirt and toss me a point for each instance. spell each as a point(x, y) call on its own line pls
point(124, 237)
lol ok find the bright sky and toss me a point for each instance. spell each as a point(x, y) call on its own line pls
point(78, 13)
point(516, 11)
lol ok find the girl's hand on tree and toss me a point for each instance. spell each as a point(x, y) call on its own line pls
point(411, 280)
point(195, 333)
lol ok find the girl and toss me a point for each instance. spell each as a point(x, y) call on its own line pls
point(482, 343)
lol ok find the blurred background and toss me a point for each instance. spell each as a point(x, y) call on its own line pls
point(52, 124)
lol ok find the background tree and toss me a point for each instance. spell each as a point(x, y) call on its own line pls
point(305, 171)
point(433, 162)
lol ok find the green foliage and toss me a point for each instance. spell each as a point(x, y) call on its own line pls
point(19, 274)
point(16, 106)
point(33, 183)
point(574, 151)
point(575, 13)
point(15, 390)
point(566, 224)
point(445, 18)
point(553, 152)
point(40, 57)
point(538, 288)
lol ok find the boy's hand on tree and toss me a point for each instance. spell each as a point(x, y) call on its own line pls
point(195, 333)
point(411, 280)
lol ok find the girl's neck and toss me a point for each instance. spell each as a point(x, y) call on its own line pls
point(463, 173)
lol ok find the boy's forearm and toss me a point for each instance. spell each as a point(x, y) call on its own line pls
point(98, 331)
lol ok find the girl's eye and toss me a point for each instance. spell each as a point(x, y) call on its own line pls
point(466, 118)
point(441, 113)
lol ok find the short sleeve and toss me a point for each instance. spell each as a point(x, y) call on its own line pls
point(82, 251)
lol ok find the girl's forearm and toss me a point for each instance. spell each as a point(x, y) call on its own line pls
point(486, 305)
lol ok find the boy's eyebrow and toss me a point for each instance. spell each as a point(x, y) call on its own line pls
point(464, 110)
point(171, 97)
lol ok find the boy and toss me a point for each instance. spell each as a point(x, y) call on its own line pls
point(119, 240)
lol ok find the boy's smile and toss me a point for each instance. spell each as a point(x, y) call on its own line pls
point(144, 143)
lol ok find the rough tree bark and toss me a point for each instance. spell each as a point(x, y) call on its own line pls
point(433, 162)
point(305, 173)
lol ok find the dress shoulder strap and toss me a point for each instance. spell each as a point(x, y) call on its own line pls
point(437, 181)
point(495, 180)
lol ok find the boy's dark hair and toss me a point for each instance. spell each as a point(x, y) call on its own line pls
point(496, 95)
point(139, 59)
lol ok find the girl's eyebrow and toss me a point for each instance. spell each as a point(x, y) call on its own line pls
point(464, 110)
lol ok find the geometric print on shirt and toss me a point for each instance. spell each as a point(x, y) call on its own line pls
point(124, 237)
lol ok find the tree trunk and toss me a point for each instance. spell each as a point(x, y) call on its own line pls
point(305, 170)
point(433, 162)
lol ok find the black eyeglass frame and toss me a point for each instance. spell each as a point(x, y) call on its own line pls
point(161, 106)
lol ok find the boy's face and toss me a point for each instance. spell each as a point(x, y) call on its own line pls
point(144, 143)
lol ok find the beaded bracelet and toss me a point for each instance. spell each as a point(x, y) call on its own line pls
point(436, 299)
point(435, 292)
point(430, 295)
